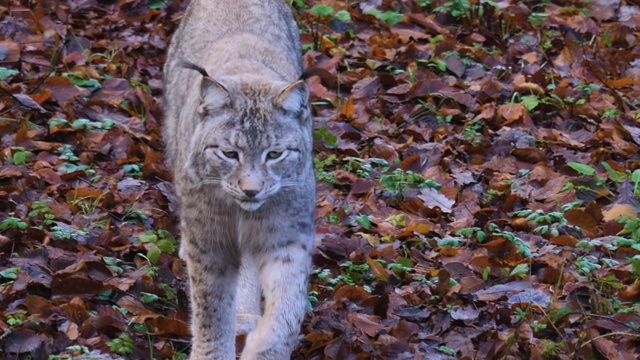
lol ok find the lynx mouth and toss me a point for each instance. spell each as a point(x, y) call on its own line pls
point(250, 204)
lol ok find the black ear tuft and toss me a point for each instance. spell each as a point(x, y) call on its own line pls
point(213, 95)
point(192, 66)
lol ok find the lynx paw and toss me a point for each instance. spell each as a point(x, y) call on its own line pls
point(246, 322)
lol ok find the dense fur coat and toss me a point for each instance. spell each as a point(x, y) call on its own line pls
point(238, 136)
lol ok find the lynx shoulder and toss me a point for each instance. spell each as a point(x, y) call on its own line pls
point(237, 133)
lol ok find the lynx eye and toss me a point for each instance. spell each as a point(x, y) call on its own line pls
point(230, 155)
point(273, 155)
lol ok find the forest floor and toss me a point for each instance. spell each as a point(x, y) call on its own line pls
point(478, 180)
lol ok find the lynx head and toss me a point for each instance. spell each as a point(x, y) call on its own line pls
point(253, 139)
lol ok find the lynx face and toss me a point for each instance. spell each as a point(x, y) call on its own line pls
point(250, 143)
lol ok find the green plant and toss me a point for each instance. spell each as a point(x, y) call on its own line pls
point(79, 79)
point(10, 273)
point(170, 293)
point(588, 88)
point(39, 208)
point(78, 124)
point(328, 11)
point(133, 214)
point(521, 270)
point(610, 113)
point(135, 108)
point(551, 222)
point(66, 153)
point(320, 166)
point(572, 10)
point(62, 233)
point(15, 318)
point(134, 170)
point(433, 62)
point(20, 155)
point(113, 263)
point(631, 227)
point(390, 17)
point(7, 73)
point(156, 4)
point(473, 130)
point(122, 345)
point(162, 241)
point(12, 222)
point(551, 349)
point(87, 204)
point(139, 84)
point(69, 168)
point(324, 135)
point(401, 264)
point(521, 245)
point(364, 221)
point(447, 350)
point(400, 181)
point(351, 274)
point(470, 232)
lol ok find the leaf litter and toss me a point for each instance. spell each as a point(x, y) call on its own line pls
point(478, 181)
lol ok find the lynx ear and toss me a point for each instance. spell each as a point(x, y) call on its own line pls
point(213, 95)
point(294, 97)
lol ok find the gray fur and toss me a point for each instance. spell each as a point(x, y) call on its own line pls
point(238, 136)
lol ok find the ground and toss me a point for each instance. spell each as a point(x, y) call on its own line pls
point(478, 180)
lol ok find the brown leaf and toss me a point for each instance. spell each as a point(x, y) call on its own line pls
point(432, 198)
point(580, 218)
point(369, 324)
point(62, 89)
point(617, 211)
point(564, 240)
point(512, 111)
point(378, 270)
point(530, 155)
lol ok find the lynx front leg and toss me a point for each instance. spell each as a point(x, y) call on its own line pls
point(284, 275)
point(249, 295)
point(213, 279)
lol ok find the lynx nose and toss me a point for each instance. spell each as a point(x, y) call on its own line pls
point(251, 193)
point(250, 186)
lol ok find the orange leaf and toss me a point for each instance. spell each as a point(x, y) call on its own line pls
point(512, 112)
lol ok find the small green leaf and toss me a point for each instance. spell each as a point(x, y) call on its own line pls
point(365, 221)
point(57, 122)
point(153, 254)
point(404, 261)
point(167, 246)
point(635, 176)
point(530, 102)
point(453, 242)
point(5, 73)
point(322, 10)
point(582, 168)
point(148, 237)
point(10, 273)
point(392, 18)
point(148, 297)
point(19, 158)
point(84, 123)
point(156, 4)
point(397, 220)
point(485, 273)
point(343, 15)
point(520, 270)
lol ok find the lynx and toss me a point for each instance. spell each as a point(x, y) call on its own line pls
point(238, 136)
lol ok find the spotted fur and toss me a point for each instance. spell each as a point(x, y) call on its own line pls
point(237, 133)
